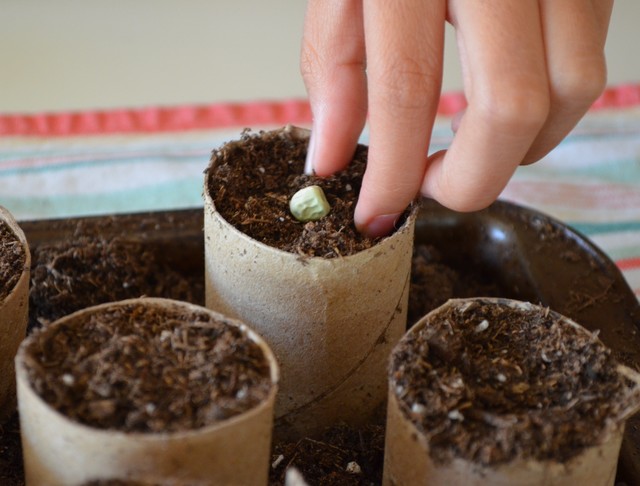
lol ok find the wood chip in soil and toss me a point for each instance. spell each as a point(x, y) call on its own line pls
point(12, 258)
point(252, 180)
point(142, 369)
point(490, 385)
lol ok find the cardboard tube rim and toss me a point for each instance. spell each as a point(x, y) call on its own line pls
point(296, 133)
point(7, 217)
point(611, 428)
point(14, 317)
point(458, 470)
point(22, 375)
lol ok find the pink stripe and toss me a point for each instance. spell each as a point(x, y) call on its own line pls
point(222, 115)
point(628, 263)
point(622, 96)
point(155, 119)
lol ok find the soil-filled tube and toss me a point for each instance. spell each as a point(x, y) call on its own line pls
point(14, 305)
point(231, 447)
point(551, 413)
point(331, 322)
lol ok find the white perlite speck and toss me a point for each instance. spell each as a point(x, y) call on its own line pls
point(455, 415)
point(483, 326)
point(418, 408)
point(68, 379)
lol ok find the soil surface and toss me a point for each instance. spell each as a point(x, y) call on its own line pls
point(90, 270)
point(252, 180)
point(342, 456)
point(144, 369)
point(12, 258)
point(120, 482)
point(489, 384)
point(433, 282)
point(11, 473)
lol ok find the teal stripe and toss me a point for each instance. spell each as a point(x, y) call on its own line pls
point(606, 135)
point(204, 160)
point(621, 171)
point(601, 228)
point(622, 253)
point(175, 194)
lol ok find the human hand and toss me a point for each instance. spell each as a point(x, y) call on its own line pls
point(531, 69)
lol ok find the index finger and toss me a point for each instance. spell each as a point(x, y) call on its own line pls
point(404, 48)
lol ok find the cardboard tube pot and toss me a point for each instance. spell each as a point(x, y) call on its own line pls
point(59, 450)
point(14, 307)
point(330, 321)
point(431, 451)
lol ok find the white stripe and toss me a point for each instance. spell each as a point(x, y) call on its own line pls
point(99, 178)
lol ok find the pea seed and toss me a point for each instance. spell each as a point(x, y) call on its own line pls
point(309, 204)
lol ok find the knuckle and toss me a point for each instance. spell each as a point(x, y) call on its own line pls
point(516, 110)
point(460, 195)
point(583, 83)
point(318, 65)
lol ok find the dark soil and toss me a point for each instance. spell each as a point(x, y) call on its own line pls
point(11, 473)
point(89, 270)
point(12, 258)
point(342, 456)
point(520, 385)
point(433, 282)
point(142, 369)
point(119, 482)
point(252, 181)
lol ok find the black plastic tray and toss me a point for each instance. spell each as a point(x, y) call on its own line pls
point(535, 257)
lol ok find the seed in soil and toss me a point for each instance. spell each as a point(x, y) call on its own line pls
point(309, 204)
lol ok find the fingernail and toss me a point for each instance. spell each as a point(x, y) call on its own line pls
point(308, 163)
point(381, 225)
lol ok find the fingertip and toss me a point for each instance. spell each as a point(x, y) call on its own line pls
point(373, 220)
point(378, 226)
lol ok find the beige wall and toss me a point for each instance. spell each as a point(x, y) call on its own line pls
point(79, 54)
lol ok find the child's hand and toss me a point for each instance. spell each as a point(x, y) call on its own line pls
point(531, 70)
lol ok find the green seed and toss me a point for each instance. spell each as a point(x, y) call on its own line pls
point(309, 204)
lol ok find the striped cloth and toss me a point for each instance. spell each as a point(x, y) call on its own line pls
point(71, 164)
